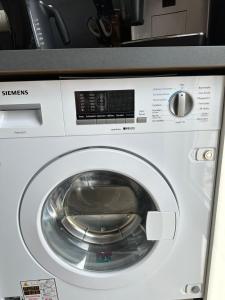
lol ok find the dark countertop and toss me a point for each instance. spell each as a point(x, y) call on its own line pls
point(74, 62)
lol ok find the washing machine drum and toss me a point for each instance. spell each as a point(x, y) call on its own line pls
point(81, 216)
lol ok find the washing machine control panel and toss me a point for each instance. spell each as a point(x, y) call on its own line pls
point(110, 106)
point(139, 105)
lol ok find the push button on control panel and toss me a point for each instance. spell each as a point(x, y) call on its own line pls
point(120, 121)
point(100, 121)
point(141, 119)
point(86, 122)
point(129, 120)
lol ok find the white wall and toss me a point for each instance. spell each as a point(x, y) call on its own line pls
point(216, 278)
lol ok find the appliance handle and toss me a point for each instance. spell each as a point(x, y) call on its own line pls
point(54, 13)
point(4, 22)
point(160, 225)
point(20, 116)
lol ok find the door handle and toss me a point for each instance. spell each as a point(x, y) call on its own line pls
point(52, 12)
point(160, 225)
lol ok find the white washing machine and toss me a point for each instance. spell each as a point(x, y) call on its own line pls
point(107, 187)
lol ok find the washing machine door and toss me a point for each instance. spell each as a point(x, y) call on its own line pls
point(96, 217)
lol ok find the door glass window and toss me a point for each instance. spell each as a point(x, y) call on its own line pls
point(96, 221)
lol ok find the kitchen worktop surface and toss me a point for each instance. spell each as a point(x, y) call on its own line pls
point(74, 62)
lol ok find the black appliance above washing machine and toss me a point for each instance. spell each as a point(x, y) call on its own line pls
point(49, 24)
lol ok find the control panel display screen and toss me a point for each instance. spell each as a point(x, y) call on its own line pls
point(114, 106)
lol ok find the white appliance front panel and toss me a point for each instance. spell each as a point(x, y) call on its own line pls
point(173, 145)
point(172, 154)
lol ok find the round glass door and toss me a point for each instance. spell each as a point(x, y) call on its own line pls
point(96, 221)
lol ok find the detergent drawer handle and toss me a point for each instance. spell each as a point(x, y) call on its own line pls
point(20, 116)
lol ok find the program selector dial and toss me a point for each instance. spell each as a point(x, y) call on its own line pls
point(181, 104)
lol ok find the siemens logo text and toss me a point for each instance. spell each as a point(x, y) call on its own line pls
point(15, 93)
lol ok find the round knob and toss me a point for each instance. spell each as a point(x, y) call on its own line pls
point(181, 104)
